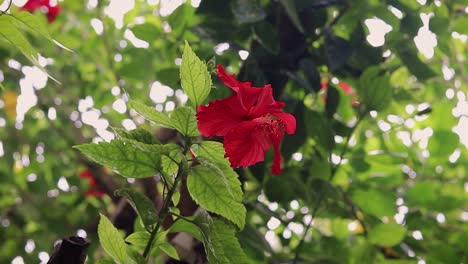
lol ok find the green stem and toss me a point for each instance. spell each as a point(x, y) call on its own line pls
point(167, 201)
point(164, 211)
point(320, 199)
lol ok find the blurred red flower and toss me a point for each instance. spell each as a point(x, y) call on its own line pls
point(250, 121)
point(50, 8)
point(345, 87)
point(93, 190)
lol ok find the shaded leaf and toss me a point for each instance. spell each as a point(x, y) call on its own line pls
point(142, 205)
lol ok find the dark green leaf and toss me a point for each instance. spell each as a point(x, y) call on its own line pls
point(290, 7)
point(267, 36)
point(142, 205)
point(247, 11)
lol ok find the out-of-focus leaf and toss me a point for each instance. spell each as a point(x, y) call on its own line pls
point(387, 235)
point(247, 11)
point(442, 143)
point(338, 49)
point(267, 36)
point(374, 202)
point(290, 7)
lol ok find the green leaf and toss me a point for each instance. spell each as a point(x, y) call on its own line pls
point(374, 202)
point(169, 250)
point(32, 22)
point(194, 76)
point(142, 205)
point(183, 119)
point(443, 143)
point(375, 91)
point(339, 50)
point(183, 225)
point(332, 101)
point(209, 187)
point(319, 129)
point(290, 7)
point(128, 158)
point(12, 34)
point(408, 54)
point(147, 31)
point(111, 240)
point(225, 244)
point(247, 11)
point(213, 152)
point(387, 235)
point(151, 113)
point(139, 238)
point(267, 36)
point(139, 134)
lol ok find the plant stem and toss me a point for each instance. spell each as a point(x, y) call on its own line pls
point(321, 197)
point(164, 211)
point(181, 172)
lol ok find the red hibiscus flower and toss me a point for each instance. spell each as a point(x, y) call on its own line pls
point(93, 189)
point(250, 121)
point(50, 8)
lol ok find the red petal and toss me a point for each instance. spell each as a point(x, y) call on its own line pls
point(346, 88)
point(289, 122)
point(277, 160)
point(229, 80)
point(266, 103)
point(218, 117)
point(246, 144)
point(84, 174)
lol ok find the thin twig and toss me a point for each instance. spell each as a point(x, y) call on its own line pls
point(321, 197)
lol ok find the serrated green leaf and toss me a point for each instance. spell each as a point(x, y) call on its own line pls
point(151, 113)
point(142, 205)
point(183, 119)
point(128, 158)
point(225, 244)
point(139, 238)
point(214, 152)
point(387, 235)
point(139, 134)
point(111, 240)
point(194, 76)
point(209, 187)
